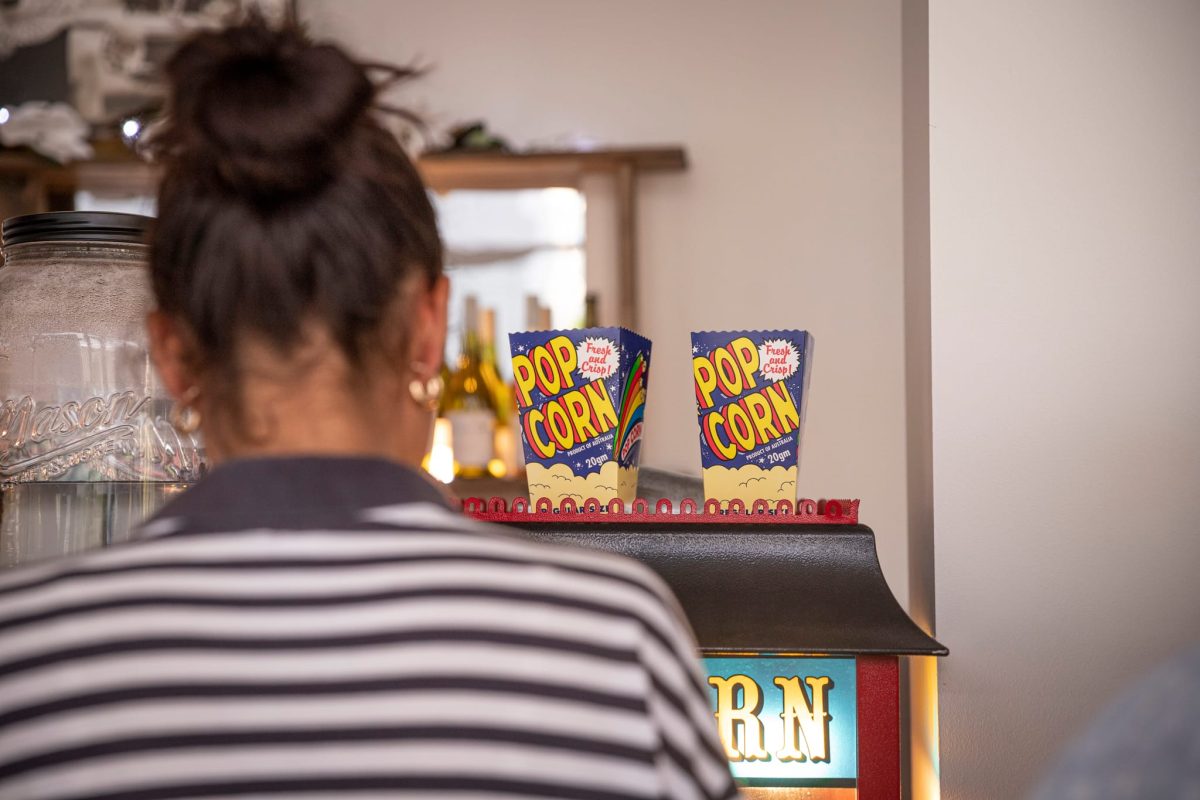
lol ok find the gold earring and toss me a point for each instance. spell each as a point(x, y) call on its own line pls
point(427, 393)
point(184, 417)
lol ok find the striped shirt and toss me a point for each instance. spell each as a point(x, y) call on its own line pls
point(325, 628)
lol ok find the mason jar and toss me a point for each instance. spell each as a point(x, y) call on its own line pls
point(87, 449)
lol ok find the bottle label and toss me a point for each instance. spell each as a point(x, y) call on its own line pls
point(472, 437)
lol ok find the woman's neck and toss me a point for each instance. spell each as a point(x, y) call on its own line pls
point(322, 413)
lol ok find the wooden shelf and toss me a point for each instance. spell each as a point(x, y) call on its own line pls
point(531, 170)
point(538, 169)
point(30, 183)
point(114, 169)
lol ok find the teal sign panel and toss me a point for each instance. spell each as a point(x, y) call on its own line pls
point(787, 721)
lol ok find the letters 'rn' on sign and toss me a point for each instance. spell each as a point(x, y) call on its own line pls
point(787, 721)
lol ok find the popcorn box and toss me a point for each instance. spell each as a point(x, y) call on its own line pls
point(751, 392)
point(581, 396)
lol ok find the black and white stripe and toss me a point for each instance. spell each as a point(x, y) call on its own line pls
point(377, 646)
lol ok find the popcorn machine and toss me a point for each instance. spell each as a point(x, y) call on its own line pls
point(800, 635)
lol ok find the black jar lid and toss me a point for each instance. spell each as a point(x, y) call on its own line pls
point(76, 226)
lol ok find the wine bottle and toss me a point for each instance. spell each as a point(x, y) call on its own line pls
point(470, 405)
point(489, 369)
point(488, 365)
point(591, 312)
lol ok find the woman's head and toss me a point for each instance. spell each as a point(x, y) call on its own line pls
point(295, 261)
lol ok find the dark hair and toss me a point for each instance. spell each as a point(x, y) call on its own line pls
point(284, 201)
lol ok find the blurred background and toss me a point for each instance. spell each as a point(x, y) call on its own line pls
point(985, 213)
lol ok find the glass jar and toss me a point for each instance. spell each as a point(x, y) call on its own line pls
point(86, 446)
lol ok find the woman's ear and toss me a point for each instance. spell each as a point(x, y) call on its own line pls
point(427, 343)
point(169, 351)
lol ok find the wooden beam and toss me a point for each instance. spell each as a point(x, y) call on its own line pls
point(445, 174)
point(607, 160)
point(537, 169)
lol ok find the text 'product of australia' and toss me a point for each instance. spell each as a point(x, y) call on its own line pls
point(751, 392)
point(581, 396)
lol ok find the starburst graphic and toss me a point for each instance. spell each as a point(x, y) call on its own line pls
point(778, 359)
point(597, 357)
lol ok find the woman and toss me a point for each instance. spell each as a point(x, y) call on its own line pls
point(312, 620)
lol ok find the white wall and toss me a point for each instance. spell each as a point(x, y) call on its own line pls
point(789, 215)
point(1065, 163)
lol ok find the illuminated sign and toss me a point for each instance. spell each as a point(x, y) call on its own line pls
point(787, 721)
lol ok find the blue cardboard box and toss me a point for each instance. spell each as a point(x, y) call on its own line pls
point(751, 393)
point(581, 397)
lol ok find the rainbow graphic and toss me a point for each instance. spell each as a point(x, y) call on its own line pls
point(632, 410)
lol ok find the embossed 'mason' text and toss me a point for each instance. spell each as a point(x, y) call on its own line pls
point(22, 422)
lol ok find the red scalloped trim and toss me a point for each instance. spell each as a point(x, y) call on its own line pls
point(784, 512)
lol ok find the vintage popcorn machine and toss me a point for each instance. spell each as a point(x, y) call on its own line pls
point(800, 634)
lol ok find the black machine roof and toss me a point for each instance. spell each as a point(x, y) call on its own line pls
point(766, 587)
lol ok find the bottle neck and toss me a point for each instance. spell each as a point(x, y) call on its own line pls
point(488, 352)
point(487, 337)
point(487, 344)
point(470, 353)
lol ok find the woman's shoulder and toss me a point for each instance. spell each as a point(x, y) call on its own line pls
point(409, 542)
point(512, 548)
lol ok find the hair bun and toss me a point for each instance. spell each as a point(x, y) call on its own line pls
point(265, 108)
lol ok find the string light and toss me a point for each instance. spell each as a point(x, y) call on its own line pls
point(4, 114)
